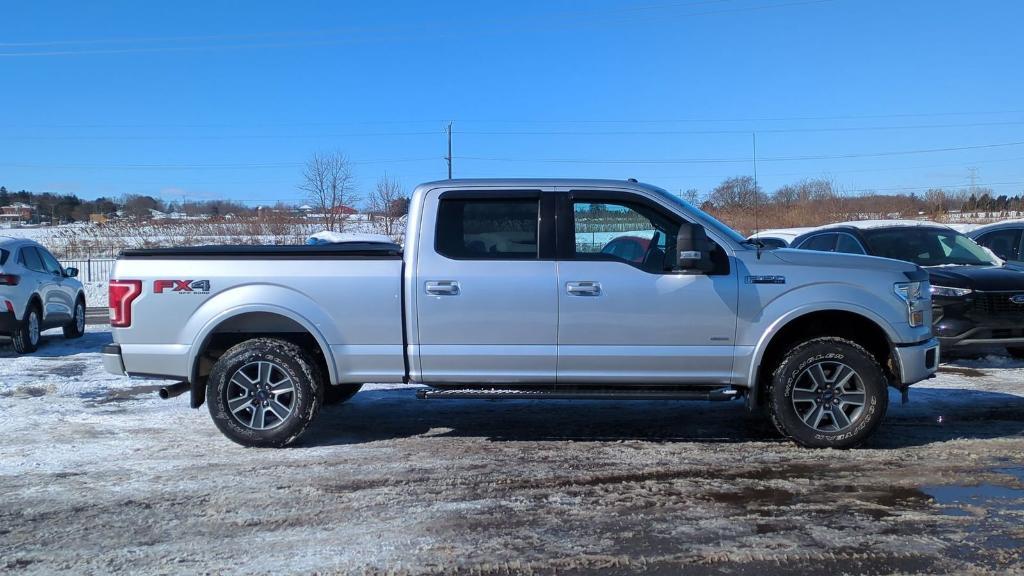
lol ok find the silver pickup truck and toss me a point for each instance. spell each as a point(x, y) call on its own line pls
point(528, 289)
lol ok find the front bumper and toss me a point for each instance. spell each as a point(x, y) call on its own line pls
point(917, 361)
point(112, 362)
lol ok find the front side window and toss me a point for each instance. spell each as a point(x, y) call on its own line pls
point(1005, 243)
point(50, 263)
point(486, 229)
point(618, 231)
point(927, 247)
point(848, 245)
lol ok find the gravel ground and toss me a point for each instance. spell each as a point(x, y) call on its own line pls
point(99, 476)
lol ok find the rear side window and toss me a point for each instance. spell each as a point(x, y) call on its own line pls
point(821, 243)
point(1005, 243)
point(3, 256)
point(485, 229)
point(29, 258)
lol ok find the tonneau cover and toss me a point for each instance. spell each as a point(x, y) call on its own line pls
point(348, 250)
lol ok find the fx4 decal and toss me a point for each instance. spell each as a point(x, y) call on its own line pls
point(181, 286)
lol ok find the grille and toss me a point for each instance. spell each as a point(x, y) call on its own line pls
point(997, 302)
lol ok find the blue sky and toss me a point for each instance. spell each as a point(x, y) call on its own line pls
point(227, 99)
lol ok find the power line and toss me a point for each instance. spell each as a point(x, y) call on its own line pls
point(545, 21)
point(741, 160)
point(229, 166)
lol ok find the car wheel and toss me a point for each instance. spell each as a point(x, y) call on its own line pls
point(828, 393)
point(26, 338)
point(340, 393)
point(76, 328)
point(264, 392)
point(1015, 352)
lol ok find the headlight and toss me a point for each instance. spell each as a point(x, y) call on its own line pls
point(949, 292)
point(917, 297)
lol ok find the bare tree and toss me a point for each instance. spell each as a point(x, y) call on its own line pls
point(327, 182)
point(387, 205)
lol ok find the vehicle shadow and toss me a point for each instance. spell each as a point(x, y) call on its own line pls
point(935, 416)
point(52, 344)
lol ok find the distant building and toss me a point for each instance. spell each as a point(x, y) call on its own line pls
point(17, 213)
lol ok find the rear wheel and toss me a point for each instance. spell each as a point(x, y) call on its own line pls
point(1016, 352)
point(340, 393)
point(26, 338)
point(264, 392)
point(76, 328)
point(828, 393)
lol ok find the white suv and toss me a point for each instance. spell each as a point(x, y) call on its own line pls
point(36, 294)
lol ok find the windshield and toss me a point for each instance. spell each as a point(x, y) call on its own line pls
point(708, 218)
point(927, 247)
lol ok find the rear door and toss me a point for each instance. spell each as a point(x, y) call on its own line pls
point(624, 318)
point(486, 298)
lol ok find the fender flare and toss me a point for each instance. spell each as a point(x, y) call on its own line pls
point(203, 336)
point(795, 314)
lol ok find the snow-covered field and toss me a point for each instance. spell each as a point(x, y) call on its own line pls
point(97, 475)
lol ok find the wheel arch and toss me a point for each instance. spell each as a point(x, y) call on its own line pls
point(861, 326)
point(247, 322)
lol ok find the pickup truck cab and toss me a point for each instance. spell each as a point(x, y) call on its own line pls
point(504, 290)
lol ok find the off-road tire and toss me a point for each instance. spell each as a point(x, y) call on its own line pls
point(21, 338)
point(829, 349)
point(294, 362)
point(74, 329)
point(1016, 352)
point(340, 393)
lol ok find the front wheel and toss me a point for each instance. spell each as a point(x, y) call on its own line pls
point(264, 392)
point(828, 393)
point(76, 328)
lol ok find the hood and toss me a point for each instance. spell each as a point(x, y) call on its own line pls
point(982, 278)
point(841, 260)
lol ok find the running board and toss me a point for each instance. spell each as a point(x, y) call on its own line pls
point(569, 394)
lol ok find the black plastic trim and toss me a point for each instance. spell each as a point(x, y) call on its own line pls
point(347, 251)
point(111, 349)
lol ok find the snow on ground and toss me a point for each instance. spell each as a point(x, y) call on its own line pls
point(100, 476)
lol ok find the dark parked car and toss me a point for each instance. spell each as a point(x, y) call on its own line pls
point(977, 301)
point(1006, 239)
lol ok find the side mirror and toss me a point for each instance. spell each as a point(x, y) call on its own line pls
point(692, 251)
point(71, 272)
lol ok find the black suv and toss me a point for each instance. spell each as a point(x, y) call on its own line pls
point(976, 300)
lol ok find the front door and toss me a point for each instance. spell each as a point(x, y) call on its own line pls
point(624, 318)
point(486, 298)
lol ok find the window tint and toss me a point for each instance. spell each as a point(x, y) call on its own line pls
point(821, 242)
point(1005, 243)
point(926, 246)
point(3, 256)
point(848, 244)
point(484, 229)
point(50, 262)
point(29, 258)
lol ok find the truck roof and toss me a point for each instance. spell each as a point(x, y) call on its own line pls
point(538, 183)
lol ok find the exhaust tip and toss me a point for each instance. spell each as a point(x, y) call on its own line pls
point(173, 390)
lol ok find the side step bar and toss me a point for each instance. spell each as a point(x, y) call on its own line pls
point(725, 393)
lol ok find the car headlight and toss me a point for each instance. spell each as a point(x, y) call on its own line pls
point(917, 297)
point(950, 292)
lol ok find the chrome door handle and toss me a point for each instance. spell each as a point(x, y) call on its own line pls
point(583, 288)
point(443, 288)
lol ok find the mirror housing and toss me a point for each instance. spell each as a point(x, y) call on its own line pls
point(71, 272)
point(692, 252)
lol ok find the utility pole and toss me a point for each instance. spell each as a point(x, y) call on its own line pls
point(448, 131)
